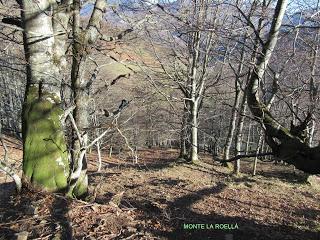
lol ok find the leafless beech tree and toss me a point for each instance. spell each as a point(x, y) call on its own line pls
point(288, 144)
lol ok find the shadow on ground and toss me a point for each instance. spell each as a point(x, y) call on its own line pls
point(41, 215)
point(285, 175)
point(60, 224)
point(179, 213)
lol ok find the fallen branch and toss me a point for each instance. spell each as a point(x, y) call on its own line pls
point(245, 156)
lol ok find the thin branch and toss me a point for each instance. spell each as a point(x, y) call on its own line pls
point(245, 156)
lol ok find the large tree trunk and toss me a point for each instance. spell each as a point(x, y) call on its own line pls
point(195, 93)
point(45, 157)
point(289, 145)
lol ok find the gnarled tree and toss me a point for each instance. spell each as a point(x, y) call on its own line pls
point(290, 145)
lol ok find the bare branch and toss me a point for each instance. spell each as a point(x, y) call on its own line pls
point(245, 156)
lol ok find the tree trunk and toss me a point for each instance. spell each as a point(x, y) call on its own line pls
point(234, 113)
point(110, 151)
point(45, 156)
point(239, 134)
point(232, 125)
point(248, 138)
point(310, 132)
point(81, 98)
point(194, 132)
point(97, 133)
point(184, 131)
point(194, 93)
point(257, 151)
point(81, 88)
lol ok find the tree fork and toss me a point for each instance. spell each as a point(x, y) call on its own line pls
point(292, 147)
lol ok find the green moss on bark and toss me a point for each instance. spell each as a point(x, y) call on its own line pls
point(81, 188)
point(45, 157)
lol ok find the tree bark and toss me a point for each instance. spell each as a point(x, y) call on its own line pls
point(248, 142)
point(184, 131)
point(81, 97)
point(254, 170)
point(45, 158)
point(239, 134)
point(194, 131)
point(233, 120)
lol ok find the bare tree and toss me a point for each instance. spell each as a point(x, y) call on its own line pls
point(186, 62)
point(81, 84)
point(287, 144)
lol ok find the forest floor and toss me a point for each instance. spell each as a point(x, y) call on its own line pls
point(160, 198)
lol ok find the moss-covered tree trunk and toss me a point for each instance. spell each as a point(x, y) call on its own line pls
point(45, 157)
point(45, 162)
